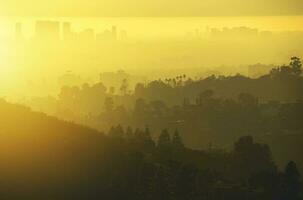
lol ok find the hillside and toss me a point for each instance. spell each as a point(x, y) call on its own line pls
point(38, 151)
point(42, 157)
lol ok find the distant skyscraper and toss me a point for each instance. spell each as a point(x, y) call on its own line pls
point(18, 32)
point(114, 32)
point(67, 31)
point(48, 30)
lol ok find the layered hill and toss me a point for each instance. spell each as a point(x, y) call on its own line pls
point(39, 153)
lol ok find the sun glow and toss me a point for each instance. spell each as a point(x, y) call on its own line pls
point(32, 65)
point(4, 59)
point(8, 74)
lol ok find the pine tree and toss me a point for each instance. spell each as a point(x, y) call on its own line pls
point(296, 66)
point(177, 141)
point(164, 140)
point(292, 182)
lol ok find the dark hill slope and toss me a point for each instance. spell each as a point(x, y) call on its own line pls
point(43, 154)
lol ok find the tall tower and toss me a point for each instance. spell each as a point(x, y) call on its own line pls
point(67, 32)
point(114, 33)
point(18, 32)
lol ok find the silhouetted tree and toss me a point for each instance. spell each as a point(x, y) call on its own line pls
point(149, 144)
point(164, 140)
point(164, 146)
point(292, 187)
point(177, 142)
point(251, 158)
point(296, 66)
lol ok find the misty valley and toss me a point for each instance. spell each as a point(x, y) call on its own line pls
point(151, 100)
point(221, 137)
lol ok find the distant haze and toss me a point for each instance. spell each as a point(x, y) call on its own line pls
point(154, 8)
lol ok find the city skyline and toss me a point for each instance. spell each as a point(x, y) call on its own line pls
point(64, 30)
point(51, 30)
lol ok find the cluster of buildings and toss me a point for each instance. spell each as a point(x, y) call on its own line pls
point(55, 31)
point(229, 33)
point(234, 32)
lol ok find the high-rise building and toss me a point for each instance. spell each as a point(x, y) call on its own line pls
point(67, 31)
point(18, 32)
point(114, 33)
point(48, 30)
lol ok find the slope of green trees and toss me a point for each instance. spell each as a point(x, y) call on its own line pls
point(45, 158)
point(216, 110)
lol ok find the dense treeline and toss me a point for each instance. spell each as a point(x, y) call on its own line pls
point(44, 158)
point(166, 169)
point(282, 84)
point(219, 121)
point(215, 110)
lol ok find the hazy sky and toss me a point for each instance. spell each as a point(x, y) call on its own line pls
point(155, 8)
